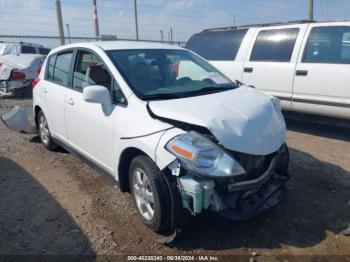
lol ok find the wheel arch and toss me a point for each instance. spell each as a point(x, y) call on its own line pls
point(37, 109)
point(124, 162)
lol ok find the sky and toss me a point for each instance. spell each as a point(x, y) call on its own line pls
point(185, 17)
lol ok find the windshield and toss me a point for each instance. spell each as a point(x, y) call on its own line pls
point(167, 73)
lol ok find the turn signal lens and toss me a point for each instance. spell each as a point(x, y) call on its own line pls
point(182, 152)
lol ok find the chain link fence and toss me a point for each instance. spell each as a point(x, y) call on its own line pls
point(21, 58)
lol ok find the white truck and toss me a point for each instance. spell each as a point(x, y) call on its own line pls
point(304, 64)
point(20, 63)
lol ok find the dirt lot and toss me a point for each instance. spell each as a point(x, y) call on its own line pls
point(52, 203)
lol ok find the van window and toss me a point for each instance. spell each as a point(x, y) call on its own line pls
point(329, 44)
point(217, 45)
point(44, 51)
point(90, 70)
point(61, 69)
point(26, 49)
point(274, 45)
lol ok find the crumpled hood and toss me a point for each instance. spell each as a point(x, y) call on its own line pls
point(243, 119)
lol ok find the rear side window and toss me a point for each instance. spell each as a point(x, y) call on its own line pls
point(217, 45)
point(330, 44)
point(25, 49)
point(274, 45)
point(61, 68)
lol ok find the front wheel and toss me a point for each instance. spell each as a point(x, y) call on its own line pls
point(151, 194)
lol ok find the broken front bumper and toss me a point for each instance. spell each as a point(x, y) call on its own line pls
point(235, 200)
point(249, 204)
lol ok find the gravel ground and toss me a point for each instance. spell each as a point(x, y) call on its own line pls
point(52, 203)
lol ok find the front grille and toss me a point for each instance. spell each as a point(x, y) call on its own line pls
point(254, 165)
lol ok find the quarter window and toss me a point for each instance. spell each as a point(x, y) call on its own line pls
point(329, 44)
point(90, 70)
point(217, 45)
point(61, 69)
point(50, 67)
point(274, 45)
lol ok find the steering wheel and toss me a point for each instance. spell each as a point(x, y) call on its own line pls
point(181, 81)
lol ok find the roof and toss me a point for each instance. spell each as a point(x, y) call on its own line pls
point(121, 45)
point(271, 24)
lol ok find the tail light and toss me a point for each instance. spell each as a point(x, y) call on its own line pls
point(16, 75)
point(35, 82)
point(38, 70)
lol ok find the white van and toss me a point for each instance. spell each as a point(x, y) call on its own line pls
point(304, 64)
point(182, 140)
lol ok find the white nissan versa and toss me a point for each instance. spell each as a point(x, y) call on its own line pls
point(165, 125)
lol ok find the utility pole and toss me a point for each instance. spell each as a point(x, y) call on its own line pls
point(311, 10)
point(171, 35)
point(234, 20)
point(68, 33)
point(161, 35)
point(60, 21)
point(97, 29)
point(136, 23)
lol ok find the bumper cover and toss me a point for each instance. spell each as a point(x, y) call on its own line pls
point(266, 197)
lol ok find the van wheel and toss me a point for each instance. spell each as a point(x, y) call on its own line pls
point(151, 194)
point(44, 131)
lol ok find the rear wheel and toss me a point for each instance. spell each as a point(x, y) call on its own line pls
point(44, 132)
point(151, 194)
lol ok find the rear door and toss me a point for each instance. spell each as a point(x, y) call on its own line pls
point(54, 90)
point(322, 78)
point(271, 60)
point(90, 126)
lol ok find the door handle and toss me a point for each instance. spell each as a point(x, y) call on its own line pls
point(70, 101)
point(44, 90)
point(301, 72)
point(248, 69)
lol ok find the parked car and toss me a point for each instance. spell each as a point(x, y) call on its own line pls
point(22, 48)
point(20, 63)
point(181, 144)
point(305, 64)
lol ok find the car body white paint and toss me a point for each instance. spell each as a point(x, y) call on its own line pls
point(244, 119)
point(324, 91)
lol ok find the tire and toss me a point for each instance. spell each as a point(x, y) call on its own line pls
point(44, 132)
point(146, 178)
point(283, 162)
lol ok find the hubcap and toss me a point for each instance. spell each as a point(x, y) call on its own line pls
point(143, 194)
point(44, 130)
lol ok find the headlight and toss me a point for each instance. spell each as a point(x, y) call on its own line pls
point(200, 155)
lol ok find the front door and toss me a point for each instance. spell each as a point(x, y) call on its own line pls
point(90, 126)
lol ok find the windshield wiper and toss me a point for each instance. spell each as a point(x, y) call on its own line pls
point(162, 96)
point(203, 90)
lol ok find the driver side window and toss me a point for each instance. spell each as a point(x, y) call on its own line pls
point(90, 70)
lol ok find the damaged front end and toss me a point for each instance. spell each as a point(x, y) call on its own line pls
point(235, 185)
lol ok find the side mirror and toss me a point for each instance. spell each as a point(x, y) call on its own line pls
point(97, 94)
